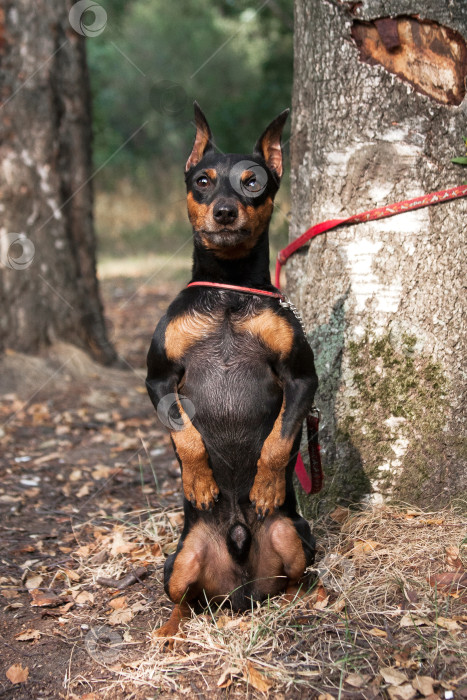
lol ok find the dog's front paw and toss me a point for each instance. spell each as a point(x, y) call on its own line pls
point(268, 492)
point(200, 488)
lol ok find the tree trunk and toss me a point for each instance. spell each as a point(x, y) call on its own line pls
point(48, 284)
point(379, 111)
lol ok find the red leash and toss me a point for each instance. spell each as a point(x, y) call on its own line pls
point(236, 288)
point(371, 215)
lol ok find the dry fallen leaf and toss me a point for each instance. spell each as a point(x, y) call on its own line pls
point(44, 599)
point(401, 692)
point(102, 472)
point(319, 597)
point(432, 521)
point(9, 593)
point(453, 557)
point(119, 544)
point(340, 514)
point(72, 575)
point(120, 617)
point(64, 608)
point(424, 685)
point(17, 674)
point(84, 490)
point(453, 580)
point(357, 680)
point(410, 620)
point(321, 604)
point(33, 581)
point(339, 605)
point(28, 635)
point(392, 675)
point(118, 603)
point(448, 624)
point(226, 622)
point(227, 675)
point(83, 597)
point(375, 632)
point(256, 678)
point(363, 547)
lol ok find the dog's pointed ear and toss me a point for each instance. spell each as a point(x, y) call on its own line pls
point(269, 143)
point(203, 139)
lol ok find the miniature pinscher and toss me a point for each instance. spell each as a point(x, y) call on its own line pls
point(242, 363)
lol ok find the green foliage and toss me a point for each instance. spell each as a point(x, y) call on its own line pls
point(462, 160)
point(154, 58)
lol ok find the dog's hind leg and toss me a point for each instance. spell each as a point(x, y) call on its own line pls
point(287, 548)
point(182, 584)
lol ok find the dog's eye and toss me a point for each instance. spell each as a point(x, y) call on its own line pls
point(202, 181)
point(252, 185)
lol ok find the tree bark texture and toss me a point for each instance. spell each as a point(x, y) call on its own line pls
point(48, 284)
point(379, 111)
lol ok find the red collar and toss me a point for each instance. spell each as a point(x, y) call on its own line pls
point(236, 288)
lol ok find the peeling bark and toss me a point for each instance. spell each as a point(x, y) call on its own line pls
point(382, 300)
point(432, 58)
point(46, 186)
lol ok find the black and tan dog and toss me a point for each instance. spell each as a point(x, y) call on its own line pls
point(243, 364)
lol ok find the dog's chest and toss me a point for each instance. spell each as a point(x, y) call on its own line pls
point(227, 332)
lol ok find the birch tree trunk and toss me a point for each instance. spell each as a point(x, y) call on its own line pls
point(379, 111)
point(48, 285)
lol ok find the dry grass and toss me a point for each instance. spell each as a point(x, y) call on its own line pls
point(373, 608)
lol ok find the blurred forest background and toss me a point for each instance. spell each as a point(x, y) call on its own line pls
point(235, 57)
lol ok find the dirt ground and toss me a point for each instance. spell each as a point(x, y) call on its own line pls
point(90, 494)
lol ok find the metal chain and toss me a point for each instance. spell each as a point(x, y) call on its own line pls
point(287, 304)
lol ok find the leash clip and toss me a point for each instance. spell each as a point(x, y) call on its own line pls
point(315, 410)
point(287, 304)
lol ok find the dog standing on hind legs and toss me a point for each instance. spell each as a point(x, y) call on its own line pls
point(229, 350)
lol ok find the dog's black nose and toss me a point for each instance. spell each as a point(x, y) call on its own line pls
point(225, 212)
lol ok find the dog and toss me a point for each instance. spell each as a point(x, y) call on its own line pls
point(240, 378)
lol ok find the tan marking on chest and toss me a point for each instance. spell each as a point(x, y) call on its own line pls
point(273, 330)
point(184, 331)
